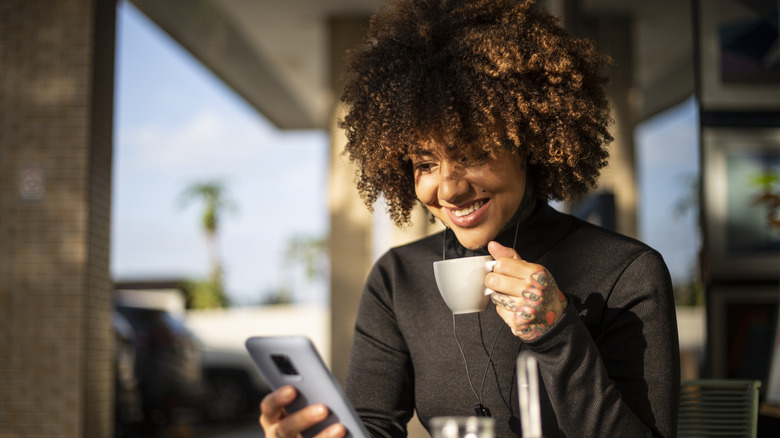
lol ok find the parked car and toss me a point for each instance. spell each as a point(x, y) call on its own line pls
point(128, 410)
point(168, 355)
point(232, 384)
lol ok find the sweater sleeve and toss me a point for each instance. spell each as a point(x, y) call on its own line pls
point(379, 381)
point(624, 380)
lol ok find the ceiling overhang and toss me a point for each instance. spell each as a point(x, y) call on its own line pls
point(275, 53)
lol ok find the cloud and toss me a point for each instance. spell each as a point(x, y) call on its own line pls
point(207, 141)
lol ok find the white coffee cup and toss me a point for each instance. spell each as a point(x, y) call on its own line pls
point(461, 282)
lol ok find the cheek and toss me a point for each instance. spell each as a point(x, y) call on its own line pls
point(425, 189)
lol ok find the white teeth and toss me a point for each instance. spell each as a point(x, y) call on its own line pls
point(469, 210)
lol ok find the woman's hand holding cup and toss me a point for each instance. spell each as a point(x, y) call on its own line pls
point(526, 295)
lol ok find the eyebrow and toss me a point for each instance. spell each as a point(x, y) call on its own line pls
point(417, 150)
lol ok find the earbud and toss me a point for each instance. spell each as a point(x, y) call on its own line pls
point(481, 410)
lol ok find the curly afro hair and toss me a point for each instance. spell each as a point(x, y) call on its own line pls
point(482, 75)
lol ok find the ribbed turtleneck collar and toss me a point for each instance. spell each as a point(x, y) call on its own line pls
point(536, 234)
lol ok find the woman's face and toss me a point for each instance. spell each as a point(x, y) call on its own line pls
point(476, 199)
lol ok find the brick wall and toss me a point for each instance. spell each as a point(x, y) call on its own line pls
point(56, 106)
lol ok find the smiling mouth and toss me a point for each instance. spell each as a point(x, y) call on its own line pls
point(468, 210)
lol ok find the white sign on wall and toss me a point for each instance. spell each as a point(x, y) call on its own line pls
point(32, 184)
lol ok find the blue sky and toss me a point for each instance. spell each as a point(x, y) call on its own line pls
point(667, 158)
point(176, 124)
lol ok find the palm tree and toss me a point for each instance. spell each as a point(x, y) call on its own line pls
point(212, 196)
point(767, 197)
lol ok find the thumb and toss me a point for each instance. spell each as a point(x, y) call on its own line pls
point(498, 251)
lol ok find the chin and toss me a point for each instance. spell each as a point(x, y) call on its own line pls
point(472, 243)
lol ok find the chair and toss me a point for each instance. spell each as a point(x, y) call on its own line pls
point(718, 408)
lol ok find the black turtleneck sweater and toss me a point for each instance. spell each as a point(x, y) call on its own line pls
point(609, 367)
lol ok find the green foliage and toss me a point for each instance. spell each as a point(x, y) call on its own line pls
point(765, 180)
point(205, 294)
point(312, 254)
point(279, 296)
point(689, 294)
point(213, 196)
point(210, 293)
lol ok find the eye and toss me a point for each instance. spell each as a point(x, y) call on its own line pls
point(423, 162)
point(474, 160)
point(423, 166)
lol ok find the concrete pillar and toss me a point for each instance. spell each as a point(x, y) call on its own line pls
point(350, 221)
point(613, 36)
point(56, 118)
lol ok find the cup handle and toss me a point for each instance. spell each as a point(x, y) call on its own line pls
point(489, 265)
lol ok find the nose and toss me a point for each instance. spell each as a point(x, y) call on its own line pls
point(453, 183)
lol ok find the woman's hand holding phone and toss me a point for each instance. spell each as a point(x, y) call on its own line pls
point(277, 423)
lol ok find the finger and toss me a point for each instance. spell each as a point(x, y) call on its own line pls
point(524, 315)
point(514, 267)
point(333, 431)
point(509, 318)
point(513, 283)
point(295, 423)
point(506, 315)
point(525, 331)
point(505, 301)
point(272, 406)
point(498, 251)
point(532, 295)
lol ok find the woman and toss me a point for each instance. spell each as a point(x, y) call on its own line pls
point(483, 111)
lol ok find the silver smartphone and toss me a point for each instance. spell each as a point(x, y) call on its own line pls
point(293, 360)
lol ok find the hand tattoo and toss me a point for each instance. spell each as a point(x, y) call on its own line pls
point(537, 308)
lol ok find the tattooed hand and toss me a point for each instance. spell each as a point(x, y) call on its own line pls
point(526, 295)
